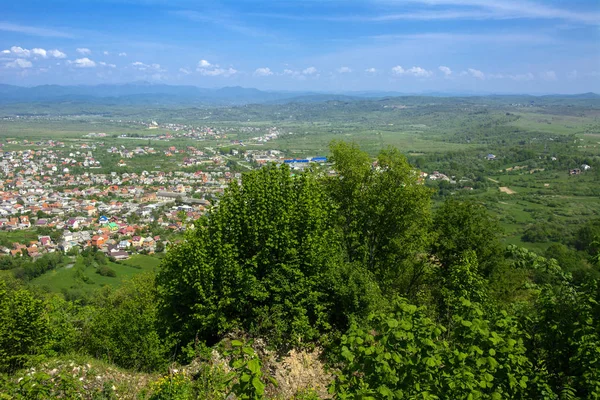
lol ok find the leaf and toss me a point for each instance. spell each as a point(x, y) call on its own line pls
point(258, 385)
point(254, 366)
point(236, 343)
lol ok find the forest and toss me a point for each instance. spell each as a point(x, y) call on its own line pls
point(348, 283)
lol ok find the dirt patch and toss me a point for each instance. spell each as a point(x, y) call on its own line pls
point(506, 190)
point(493, 180)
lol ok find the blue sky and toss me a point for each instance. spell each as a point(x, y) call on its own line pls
point(325, 45)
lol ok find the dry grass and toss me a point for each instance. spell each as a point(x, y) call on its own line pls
point(506, 190)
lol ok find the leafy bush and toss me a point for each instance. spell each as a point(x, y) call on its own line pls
point(105, 270)
point(124, 328)
point(23, 326)
point(172, 387)
point(267, 261)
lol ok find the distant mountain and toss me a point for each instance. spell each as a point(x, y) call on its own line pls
point(146, 93)
point(140, 93)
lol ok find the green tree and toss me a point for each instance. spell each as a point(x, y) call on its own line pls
point(23, 326)
point(466, 226)
point(268, 261)
point(124, 329)
point(383, 213)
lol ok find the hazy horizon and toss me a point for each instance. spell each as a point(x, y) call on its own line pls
point(415, 46)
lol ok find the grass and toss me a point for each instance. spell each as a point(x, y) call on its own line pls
point(65, 278)
point(19, 236)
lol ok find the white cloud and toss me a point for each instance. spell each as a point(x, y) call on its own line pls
point(310, 71)
point(207, 69)
point(224, 72)
point(105, 53)
point(398, 70)
point(263, 72)
point(83, 63)
point(419, 72)
point(20, 52)
point(122, 54)
point(289, 72)
point(107, 65)
point(84, 51)
point(39, 52)
point(548, 75)
point(572, 75)
point(26, 53)
point(19, 63)
point(475, 73)
point(147, 67)
point(370, 70)
point(414, 71)
point(184, 71)
point(57, 53)
point(344, 70)
point(445, 70)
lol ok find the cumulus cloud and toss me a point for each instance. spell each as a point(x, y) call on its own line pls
point(105, 53)
point(475, 73)
point(344, 70)
point(419, 72)
point(263, 72)
point(56, 53)
point(414, 71)
point(184, 71)
point(370, 70)
point(310, 71)
point(107, 65)
point(548, 75)
point(21, 52)
point(84, 51)
point(39, 52)
point(398, 70)
point(445, 70)
point(122, 54)
point(83, 63)
point(19, 63)
point(207, 69)
point(147, 67)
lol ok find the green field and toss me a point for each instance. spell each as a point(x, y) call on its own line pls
point(66, 277)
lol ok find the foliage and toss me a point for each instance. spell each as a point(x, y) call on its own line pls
point(405, 354)
point(106, 271)
point(23, 326)
point(266, 261)
point(462, 226)
point(384, 214)
point(171, 387)
point(124, 328)
point(246, 371)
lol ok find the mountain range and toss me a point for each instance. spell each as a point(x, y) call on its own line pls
point(151, 93)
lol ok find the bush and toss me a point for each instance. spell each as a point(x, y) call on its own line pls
point(124, 328)
point(106, 271)
point(267, 261)
point(23, 326)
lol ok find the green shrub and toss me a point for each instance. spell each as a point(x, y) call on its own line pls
point(23, 326)
point(106, 271)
